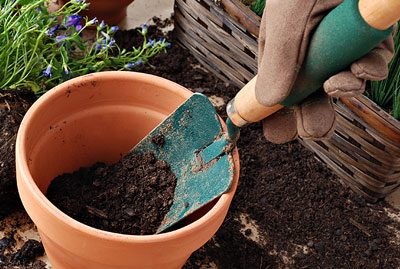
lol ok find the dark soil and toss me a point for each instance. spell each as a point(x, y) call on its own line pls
point(129, 197)
point(13, 106)
point(25, 257)
point(302, 216)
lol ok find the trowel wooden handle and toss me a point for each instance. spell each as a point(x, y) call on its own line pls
point(245, 107)
point(380, 14)
point(359, 26)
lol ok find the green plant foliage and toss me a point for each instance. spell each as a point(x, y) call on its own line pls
point(386, 93)
point(40, 49)
point(258, 7)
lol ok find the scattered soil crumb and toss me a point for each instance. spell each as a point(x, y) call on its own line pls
point(158, 140)
point(25, 257)
point(218, 102)
point(251, 230)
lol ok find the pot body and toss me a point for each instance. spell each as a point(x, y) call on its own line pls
point(99, 117)
point(111, 11)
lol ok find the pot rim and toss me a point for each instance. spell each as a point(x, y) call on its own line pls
point(22, 164)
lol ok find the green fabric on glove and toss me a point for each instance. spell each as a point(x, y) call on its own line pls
point(286, 28)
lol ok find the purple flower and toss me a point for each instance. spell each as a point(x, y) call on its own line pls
point(133, 64)
point(101, 26)
point(60, 38)
point(47, 71)
point(163, 43)
point(111, 43)
point(52, 30)
point(78, 27)
point(113, 29)
point(98, 47)
point(73, 20)
point(130, 65)
point(92, 22)
point(66, 71)
point(151, 43)
point(144, 29)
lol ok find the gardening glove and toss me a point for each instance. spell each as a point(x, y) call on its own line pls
point(285, 32)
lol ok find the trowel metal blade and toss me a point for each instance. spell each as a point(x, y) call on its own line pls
point(195, 148)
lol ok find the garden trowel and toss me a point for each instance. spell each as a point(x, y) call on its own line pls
point(196, 146)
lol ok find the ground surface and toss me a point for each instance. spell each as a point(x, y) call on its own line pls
point(289, 211)
point(13, 106)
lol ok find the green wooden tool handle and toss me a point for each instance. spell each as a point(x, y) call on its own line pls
point(342, 37)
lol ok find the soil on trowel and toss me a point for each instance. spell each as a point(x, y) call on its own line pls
point(289, 211)
point(13, 106)
point(129, 197)
point(23, 258)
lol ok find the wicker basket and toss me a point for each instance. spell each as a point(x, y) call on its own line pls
point(222, 37)
point(365, 148)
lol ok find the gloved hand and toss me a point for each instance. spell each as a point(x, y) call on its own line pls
point(286, 28)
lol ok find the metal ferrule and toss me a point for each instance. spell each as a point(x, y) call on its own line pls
point(234, 115)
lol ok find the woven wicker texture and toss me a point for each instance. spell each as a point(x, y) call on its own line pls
point(220, 42)
point(365, 158)
point(365, 149)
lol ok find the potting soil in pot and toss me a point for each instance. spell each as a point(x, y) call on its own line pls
point(129, 197)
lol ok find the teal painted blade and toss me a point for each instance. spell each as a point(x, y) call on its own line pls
point(195, 147)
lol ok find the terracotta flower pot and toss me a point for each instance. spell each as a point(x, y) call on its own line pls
point(92, 118)
point(111, 11)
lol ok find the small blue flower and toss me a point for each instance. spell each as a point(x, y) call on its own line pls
point(101, 26)
point(92, 22)
point(66, 71)
point(52, 30)
point(60, 38)
point(151, 43)
point(78, 27)
point(98, 47)
point(111, 43)
point(144, 29)
point(130, 65)
point(73, 20)
point(47, 71)
point(133, 64)
point(113, 29)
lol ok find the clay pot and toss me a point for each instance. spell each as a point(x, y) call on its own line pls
point(92, 118)
point(111, 11)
